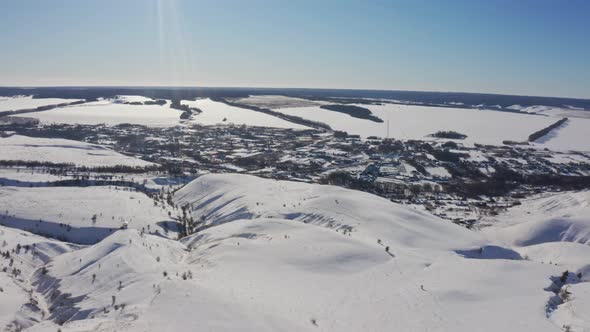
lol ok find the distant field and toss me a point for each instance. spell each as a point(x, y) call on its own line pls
point(216, 113)
point(572, 135)
point(56, 150)
point(417, 122)
point(27, 102)
point(399, 120)
point(111, 113)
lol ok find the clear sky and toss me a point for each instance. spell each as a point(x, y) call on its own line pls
point(532, 47)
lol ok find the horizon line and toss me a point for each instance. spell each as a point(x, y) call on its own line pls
point(281, 88)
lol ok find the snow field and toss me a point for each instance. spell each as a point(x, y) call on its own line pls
point(57, 150)
point(27, 102)
point(111, 113)
point(215, 112)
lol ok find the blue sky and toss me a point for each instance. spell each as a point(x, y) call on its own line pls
point(532, 47)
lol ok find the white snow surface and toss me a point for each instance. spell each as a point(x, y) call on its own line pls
point(111, 112)
point(34, 252)
point(228, 197)
point(277, 101)
point(132, 98)
point(214, 113)
point(28, 102)
point(544, 218)
point(572, 135)
point(279, 255)
point(67, 212)
point(417, 122)
point(56, 150)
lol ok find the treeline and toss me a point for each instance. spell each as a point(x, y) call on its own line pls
point(187, 111)
point(290, 118)
point(160, 102)
point(354, 111)
point(536, 135)
point(41, 108)
point(73, 167)
point(101, 183)
point(449, 134)
point(504, 180)
point(347, 180)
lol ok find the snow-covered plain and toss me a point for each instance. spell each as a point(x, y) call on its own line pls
point(214, 113)
point(111, 112)
point(55, 150)
point(417, 122)
point(132, 99)
point(27, 102)
point(572, 135)
point(277, 101)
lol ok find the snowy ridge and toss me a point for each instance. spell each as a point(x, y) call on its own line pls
point(218, 199)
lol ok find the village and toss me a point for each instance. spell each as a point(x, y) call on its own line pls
point(451, 180)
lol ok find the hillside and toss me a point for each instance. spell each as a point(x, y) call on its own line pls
point(279, 255)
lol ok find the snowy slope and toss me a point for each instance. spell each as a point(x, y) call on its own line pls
point(544, 218)
point(67, 212)
point(214, 113)
point(287, 256)
point(276, 274)
point(28, 253)
point(221, 198)
point(57, 150)
point(553, 229)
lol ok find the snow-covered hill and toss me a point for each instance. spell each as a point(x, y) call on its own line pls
point(221, 198)
point(288, 256)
